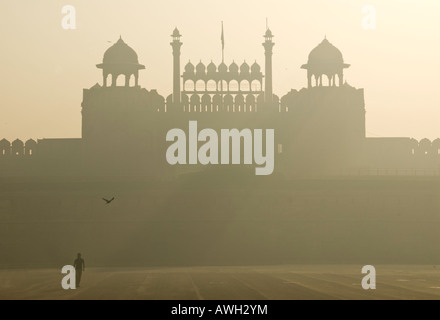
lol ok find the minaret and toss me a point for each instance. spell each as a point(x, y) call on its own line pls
point(176, 44)
point(268, 45)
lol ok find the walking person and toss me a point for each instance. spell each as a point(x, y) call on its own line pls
point(79, 266)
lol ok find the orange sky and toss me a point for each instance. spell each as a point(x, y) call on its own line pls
point(44, 67)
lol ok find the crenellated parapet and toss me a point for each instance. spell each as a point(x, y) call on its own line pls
point(425, 148)
point(18, 148)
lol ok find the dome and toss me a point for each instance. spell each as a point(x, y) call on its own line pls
point(222, 68)
point(233, 68)
point(325, 52)
point(268, 34)
point(200, 68)
point(211, 68)
point(120, 53)
point(325, 59)
point(189, 67)
point(244, 68)
point(255, 67)
point(120, 59)
point(176, 33)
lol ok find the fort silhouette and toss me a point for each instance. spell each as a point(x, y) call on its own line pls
point(319, 130)
point(335, 196)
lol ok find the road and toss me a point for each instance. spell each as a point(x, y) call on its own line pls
point(231, 283)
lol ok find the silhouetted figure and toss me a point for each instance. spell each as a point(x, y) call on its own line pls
point(79, 266)
point(108, 201)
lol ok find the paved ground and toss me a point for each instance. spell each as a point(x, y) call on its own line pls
point(236, 283)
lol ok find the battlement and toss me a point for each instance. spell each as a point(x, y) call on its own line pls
point(17, 148)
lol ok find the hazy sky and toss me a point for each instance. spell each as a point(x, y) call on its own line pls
point(44, 67)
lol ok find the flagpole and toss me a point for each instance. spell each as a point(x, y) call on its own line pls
point(223, 60)
point(223, 45)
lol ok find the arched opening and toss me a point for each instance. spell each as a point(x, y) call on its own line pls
point(250, 102)
point(206, 102)
point(216, 102)
point(256, 86)
point(185, 102)
point(120, 80)
point(200, 85)
point(244, 85)
point(228, 102)
point(260, 101)
point(239, 102)
point(223, 85)
point(131, 81)
point(194, 102)
point(188, 85)
point(233, 85)
point(211, 85)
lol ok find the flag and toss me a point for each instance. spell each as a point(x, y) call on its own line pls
point(223, 38)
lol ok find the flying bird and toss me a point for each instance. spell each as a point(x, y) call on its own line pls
point(108, 201)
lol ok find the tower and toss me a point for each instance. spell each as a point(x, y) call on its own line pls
point(325, 126)
point(118, 60)
point(120, 121)
point(268, 45)
point(325, 59)
point(176, 44)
